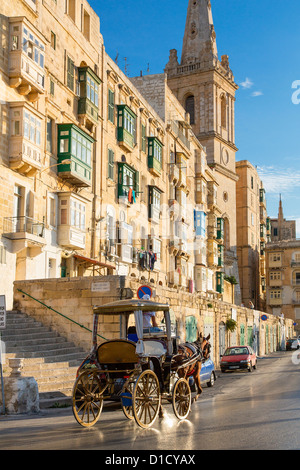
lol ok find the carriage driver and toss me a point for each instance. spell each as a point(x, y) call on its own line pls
point(149, 321)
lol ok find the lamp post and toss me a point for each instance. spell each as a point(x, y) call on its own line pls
point(63, 162)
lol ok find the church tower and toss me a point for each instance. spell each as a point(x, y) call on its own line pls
point(205, 87)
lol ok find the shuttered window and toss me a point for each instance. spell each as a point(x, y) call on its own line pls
point(70, 74)
point(111, 106)
point(111, 158)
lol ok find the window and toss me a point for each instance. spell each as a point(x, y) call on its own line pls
point(128, 182)
point(77, 214)
point(223, 112)
point(49, 136)
point(32, 128)
point(297, 278)
point(81, 144)
point(154, 154)
point(111, 158)
point(200, 223)
point(92, 91)
point(143, 138)
point(126, 126)
point(52, 87)
point(81, 147)
point(275, 257)
point(70, 73)
point(111, 106)
point(190, 108)
point(71, 9)
point(86, 25)
point(275, 294)
point(33, 48)
point(275, 276)
point(88, 92)
point(53, 40)
point(72, 212)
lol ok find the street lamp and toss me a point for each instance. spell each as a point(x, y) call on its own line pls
point(63, 162)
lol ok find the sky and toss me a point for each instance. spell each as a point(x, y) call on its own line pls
point(262, 40)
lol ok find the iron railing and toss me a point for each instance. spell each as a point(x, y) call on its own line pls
point(23, 224)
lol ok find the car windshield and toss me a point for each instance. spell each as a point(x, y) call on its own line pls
point(236, 351)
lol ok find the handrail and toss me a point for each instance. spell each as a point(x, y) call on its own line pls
point(61, 314)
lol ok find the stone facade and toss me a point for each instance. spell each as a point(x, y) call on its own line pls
point(75, 298)
point(104, 175)
point(253, 232)
point(283, 275)
point(282, 229)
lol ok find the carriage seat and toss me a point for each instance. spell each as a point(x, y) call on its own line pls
point(154, 347)
point(120, 353)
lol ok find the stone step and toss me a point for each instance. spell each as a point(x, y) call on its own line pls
point(48, 357)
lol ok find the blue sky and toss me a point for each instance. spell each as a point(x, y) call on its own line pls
point(262, 39)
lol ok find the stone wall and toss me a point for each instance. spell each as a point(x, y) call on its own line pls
point(75, 298)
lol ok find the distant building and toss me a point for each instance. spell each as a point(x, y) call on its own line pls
point(253, 232)
point(282, 229)
point(283, 276)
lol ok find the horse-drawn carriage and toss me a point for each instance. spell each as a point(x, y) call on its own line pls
point(139, 373)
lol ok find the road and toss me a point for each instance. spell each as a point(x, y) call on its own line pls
point(243, 411)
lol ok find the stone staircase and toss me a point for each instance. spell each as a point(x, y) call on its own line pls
point(48, 357)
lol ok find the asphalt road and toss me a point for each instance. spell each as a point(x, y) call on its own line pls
point(243, 411)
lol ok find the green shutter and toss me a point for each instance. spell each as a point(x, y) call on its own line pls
point(111, 106)
point(70, 74)
point(111, 158)
point(137, 183)
point(143, 137)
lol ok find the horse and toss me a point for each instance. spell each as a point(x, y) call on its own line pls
point(199, 349)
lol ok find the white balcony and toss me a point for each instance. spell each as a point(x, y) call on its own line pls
point(25, 232)
point(71, 237)
point(26, 59)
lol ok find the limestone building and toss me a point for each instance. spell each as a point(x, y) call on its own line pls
point(205, 86)
point(283, 274)
point(97, 176)
point(253, 232)
point(282, 229)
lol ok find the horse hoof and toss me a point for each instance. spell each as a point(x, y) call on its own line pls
point(161, 414)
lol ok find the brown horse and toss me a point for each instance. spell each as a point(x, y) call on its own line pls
point(199, 350)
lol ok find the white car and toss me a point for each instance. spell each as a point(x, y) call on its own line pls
point(293, 343)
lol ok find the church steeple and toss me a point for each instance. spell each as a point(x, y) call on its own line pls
point(199, 43)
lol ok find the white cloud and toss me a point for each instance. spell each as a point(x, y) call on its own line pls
point(278, 180)
point(257, 93)
point(247, 83)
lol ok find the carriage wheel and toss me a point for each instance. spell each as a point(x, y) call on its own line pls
point(146, 399)
point(127, 410)
point(181, 398)
point(87, 400)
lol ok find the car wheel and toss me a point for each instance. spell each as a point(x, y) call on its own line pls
point(212, 380)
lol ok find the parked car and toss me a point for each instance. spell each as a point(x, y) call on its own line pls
point(292, 343)
point(238, 357)
point(207, 374)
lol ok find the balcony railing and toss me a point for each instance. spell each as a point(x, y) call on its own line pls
point(23, 225)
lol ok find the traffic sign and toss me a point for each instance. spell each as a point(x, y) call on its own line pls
point(2, 312)
point(264, 317)
point(144, 290)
